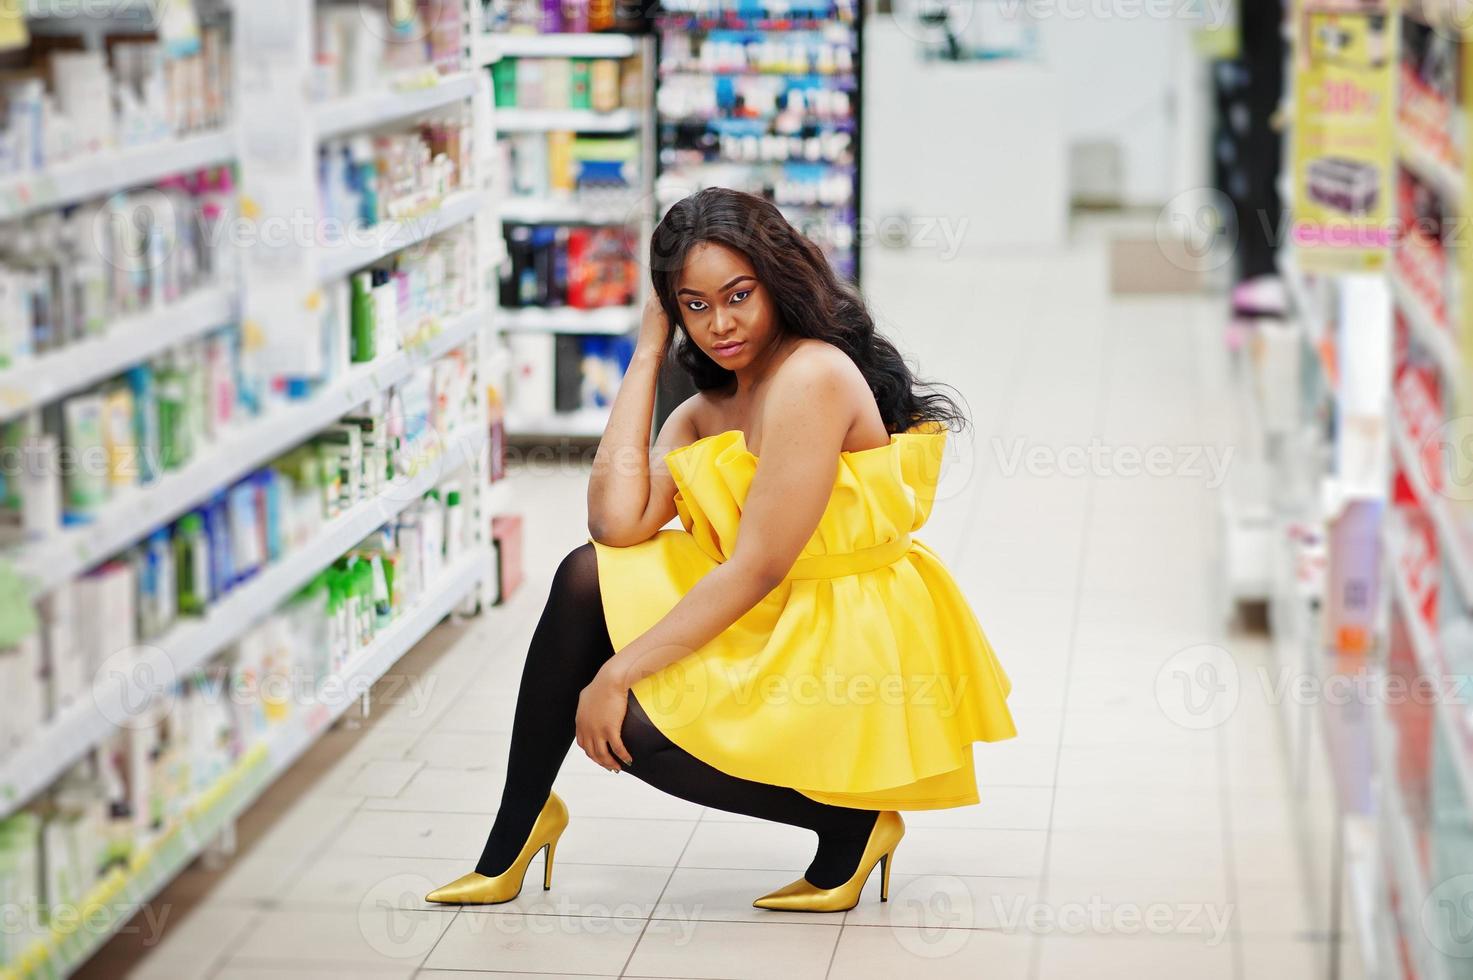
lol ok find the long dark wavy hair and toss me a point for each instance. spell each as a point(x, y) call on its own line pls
point(810, 300)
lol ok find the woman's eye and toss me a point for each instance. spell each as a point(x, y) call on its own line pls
point(737, 297)
point(696, 305)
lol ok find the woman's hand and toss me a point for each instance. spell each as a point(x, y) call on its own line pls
point(654, 327)
point(600, 719)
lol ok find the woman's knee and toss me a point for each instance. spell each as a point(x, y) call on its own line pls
point(576, 578)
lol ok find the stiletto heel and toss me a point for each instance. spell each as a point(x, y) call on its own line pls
point(547, 865)
point(801, 896)
point(478, 889)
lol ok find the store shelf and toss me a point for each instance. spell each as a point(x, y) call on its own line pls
point(102, 174)
point(1410, 880)
point(735, 22)
point(1424, 644)
point(587, 423)
point(1306, 296)
point(494, 47)
point(381, 108)
point(1439, 175)
point(194, 642)
point(617, 210)
point(567, 319)
point(70, 8)
point(1378, 950)
point(844, 80)
point(1454, 545)
point(1428, 652)
point(1429, 333)
point(368, 246)
point(576, 120)
point(264, 764)
point(129, 341)
point(132, 515)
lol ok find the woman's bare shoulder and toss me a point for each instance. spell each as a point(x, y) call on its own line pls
point(817, 363)
point(695, 417)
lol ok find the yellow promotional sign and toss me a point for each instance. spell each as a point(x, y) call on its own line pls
point(1343, 144)
point(13, 33)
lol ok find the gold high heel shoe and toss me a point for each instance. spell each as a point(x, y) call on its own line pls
point(800, 896)
point(478, 889)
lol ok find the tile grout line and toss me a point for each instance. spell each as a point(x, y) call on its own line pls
point(1035, 964)
point(660, 897)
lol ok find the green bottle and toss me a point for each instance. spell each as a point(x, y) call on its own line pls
point(364, 324)
point(192, 565)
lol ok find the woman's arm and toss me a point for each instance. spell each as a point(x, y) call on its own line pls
point(631, 494)
point(805, 420)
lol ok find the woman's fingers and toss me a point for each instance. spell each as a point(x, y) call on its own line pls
point(602, 756)
point(616, 742)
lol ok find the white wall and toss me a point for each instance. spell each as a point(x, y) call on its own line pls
point(971, 152)
point(1136, 82)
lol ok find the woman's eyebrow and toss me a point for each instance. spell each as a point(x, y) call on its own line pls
point(697, 292)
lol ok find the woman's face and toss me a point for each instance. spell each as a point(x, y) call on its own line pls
point(725, 309)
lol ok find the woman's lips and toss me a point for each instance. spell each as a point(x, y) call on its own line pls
point(729, 350)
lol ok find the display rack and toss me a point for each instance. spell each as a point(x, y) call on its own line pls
point(1424, 771)
point(723, 122)
point(45, 563)
point(1315, 378)
point(101, 175)
point(118, 896)
point(627, 207)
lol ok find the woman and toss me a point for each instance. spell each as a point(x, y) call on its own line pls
point(820, 668)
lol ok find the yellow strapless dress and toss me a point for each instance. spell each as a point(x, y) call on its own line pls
point(863, 679)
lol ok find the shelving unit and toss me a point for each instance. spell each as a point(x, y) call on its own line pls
point(623, 207)
point(365, 248)
point(97, 176)
point(585, 209)
point(559, 45)
point(1424, 759)
point(66, 554)
point(575, 120)
point(261, 302)
point(613, 320)
point(738, 145)
point(194, 642)
point(384, 108)
point(127, 342)
point(122, 893)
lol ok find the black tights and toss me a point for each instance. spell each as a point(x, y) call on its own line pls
point(570, 645)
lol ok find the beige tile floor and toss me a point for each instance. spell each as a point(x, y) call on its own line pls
point(1111, 841)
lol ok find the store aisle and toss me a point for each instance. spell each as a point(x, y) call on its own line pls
point(1119, 835)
